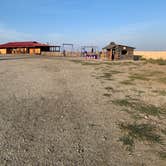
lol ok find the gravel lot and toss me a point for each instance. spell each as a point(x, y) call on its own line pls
point(53, 112)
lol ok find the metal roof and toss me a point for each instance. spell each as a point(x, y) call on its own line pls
point(22, 44)
point(114, 45)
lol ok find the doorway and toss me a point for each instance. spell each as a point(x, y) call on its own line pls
point(113, 54)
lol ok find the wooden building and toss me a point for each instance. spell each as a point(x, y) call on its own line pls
point(115, 51)
point(31, 47)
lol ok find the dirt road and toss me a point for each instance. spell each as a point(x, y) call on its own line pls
point(53, 112)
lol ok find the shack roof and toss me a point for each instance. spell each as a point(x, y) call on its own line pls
point(114, 45)
point(23, 44)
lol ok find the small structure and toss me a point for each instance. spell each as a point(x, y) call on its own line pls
point(31, 47)
point(68, 49)
point(115, 51)
point(89, 51)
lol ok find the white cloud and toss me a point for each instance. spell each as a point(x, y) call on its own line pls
point(13, 35)
point(8, 34)
point(145, 35)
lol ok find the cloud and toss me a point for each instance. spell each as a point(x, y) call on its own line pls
point(7, 34)
point(143, 36)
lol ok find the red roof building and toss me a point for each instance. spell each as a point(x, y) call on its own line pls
point(30, 47)
point(22, 44)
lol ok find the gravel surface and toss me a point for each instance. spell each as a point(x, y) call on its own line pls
point(53, 112)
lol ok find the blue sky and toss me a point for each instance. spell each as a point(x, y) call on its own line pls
point(139, 23)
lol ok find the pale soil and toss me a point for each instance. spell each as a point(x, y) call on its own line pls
point(53, 112)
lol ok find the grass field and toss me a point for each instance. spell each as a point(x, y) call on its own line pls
point(69, 111)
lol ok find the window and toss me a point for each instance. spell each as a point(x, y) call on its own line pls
point(124, 52)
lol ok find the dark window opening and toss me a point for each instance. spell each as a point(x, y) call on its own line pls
point(124, 52)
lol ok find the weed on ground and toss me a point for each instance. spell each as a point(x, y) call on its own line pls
point(139, 132)
point(162, 80)
point(158, 61)
point(127, 82)
point(162, 155)
point(141, 107)
point(139, 77)
point(160, 92)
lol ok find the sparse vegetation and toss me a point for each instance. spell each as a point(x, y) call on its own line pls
point(163, 131)
point(114, 72)
point(123, 102)
point(109, 88)
point(138, 77)
point(160, 92)
point(125, 110)
point(91, 63)
point(157, 61)
point(141, 107)
point(139, 111)
point(127, 141)
point(162, 80)
point(149, 109)
point(144, 132)
point(140, 132)
point(147, 76)
point(83, 62)
point(162, 155)
point(127, 82)
point(108, 74)
point(107, 95)
point(112, 63)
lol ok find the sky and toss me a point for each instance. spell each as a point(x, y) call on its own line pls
point(138, 23)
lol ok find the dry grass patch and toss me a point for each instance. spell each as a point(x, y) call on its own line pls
point(160, 92)
point(137, 76)
point(108, 74)
point(86, 62)
point(162, 80)
point(140, 132)
point(91, 63)
point(158, 61)
point(162, 155)
point(164, 131)
point(148, 76)
point(109, 88)
point(141, 107)
point(127, 82)
point(107, 94)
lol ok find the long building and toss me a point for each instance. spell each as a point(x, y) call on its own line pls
point(30, 47)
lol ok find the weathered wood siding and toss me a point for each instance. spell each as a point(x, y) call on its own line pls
point(130, 52)
point(151, 54)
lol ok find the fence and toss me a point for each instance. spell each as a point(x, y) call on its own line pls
point(68, 54)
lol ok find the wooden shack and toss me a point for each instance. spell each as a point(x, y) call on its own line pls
point(115, 51)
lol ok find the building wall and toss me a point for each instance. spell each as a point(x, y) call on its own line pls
point(19, 51)
point(51, 53)
point(130, 52)
point(128, 55)
point(34, 51)
point(151, 54)
point(74, 54)
point(2, 51)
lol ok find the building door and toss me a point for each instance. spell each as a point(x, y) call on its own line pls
point(113, 54)
point(9, 51)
